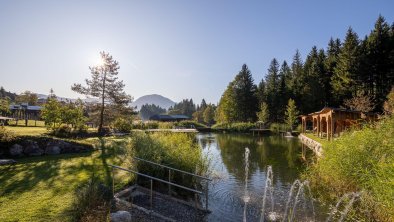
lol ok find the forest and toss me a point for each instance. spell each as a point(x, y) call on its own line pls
point(349, 71)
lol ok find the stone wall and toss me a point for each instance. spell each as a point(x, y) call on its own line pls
point(312, 144)
point(40, 146)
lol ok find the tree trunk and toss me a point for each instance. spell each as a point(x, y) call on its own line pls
point(100, 129)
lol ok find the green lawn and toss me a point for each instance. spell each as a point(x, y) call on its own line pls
point(27, 130)
point(43, 188)
point(323, 142)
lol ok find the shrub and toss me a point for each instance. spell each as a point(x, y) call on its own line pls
point(190, 124)
point(92, 202)
point(122, 125)
point(6, 135)
point(235, 127)
point(360, 160)
point(277, 127)
point(151, 125)
point(178, 150)
point(166, 125)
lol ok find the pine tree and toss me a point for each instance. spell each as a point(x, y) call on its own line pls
point(272, 90)
point(239, 101)
point(330, 63)
point(345, 79)
point(104, 84)
point(377, 60)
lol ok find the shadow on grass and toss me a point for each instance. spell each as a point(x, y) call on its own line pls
point(25, 175)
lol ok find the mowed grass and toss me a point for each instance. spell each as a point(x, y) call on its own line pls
point(323, 141)
point(27, 130)
point(43, 188)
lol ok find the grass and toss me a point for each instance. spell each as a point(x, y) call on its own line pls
point(360, 160)
point(27, 130)
point(43, 188)
point(323, 142)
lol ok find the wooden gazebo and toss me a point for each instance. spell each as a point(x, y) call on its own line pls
point(330, 122)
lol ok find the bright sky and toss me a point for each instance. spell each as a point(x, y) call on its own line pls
point(179, 49)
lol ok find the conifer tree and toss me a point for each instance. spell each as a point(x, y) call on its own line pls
point(104, 84)
point(272, 90)
point(345, 77)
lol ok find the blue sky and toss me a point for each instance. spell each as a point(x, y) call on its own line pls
point(179, 49)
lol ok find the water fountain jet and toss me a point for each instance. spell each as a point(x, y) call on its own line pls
point(268, 187)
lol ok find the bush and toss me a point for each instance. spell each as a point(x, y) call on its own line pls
point(360, 161)
point(6, 135)
point(166, 125)
point(235, 127)
point(178, 150)
point(92, 202)
point(151, 125)
point(277, 127)
point(190, 124)
point(122, 125)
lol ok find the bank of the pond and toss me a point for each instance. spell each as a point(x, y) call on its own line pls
point(359, 161)
point(44, 188)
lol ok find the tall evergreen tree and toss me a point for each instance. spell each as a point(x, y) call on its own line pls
point(345, 79)
point(296, 81)
point(272, 90)
point(332, 53)
point(378, 62)
point(239, 101)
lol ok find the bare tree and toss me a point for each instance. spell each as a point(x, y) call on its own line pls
point(104, 85)
point(361, 102)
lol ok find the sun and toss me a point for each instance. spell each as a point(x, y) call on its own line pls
point(99, 61)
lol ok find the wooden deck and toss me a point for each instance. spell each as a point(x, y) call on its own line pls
point(260, 131)
point(173, 130)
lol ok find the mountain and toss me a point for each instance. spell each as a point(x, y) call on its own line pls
point(158, 100)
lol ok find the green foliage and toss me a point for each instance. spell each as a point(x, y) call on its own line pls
point(92, 201)
point(27, 97)
point(278, 127)
point(291, 114)
point(389, 103)
point(6, 135)
point(52, 114)
point(344, 81)
point(361, 161)
point(263, 114)
point(56, 114)
point(185, 107)
point(239, 101)
point(326, 78)
point(178, 150)
point(123, 125)
point(209, 114)
point(240, 127)
point(4, 107)
point(190, 124)
point(150, 125)
point(149, 110)
point(104, 84)
point(7, 95)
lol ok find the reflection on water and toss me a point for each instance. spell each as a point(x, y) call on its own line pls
point(227, 191)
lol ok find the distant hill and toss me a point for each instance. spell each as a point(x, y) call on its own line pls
point(158, 100)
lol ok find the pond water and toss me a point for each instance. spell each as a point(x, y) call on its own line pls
point(228, 198)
